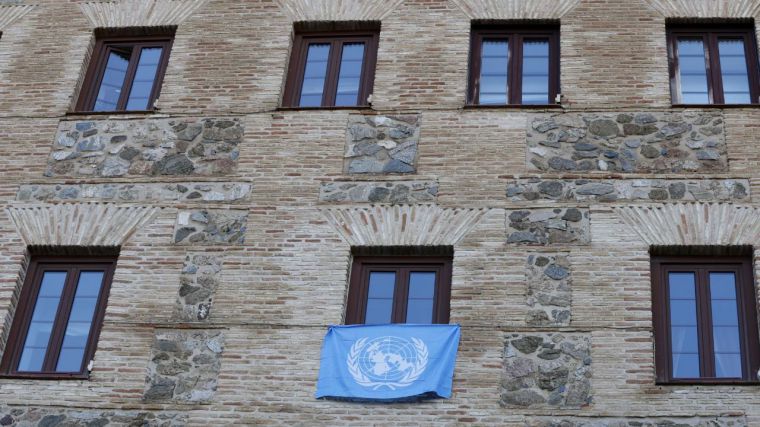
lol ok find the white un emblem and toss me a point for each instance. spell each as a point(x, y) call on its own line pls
point(392, 362)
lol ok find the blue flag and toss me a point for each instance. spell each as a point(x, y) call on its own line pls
point(388, 362)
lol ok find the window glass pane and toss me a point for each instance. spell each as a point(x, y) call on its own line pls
point(113, 79)
point(314, 75)
point(41, 326)
point(682, 306)
point(419, 307)
point(350, 74)
point(380, 297)
point(725, 320)
point(80, 321)
point(692, 71)
point(535, 72)
point(494, 57)
point(145, 77)
point(733, 69)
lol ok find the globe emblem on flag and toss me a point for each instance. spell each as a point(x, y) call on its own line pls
point(389, 361)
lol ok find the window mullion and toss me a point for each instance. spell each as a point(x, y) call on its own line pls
point(704, 322)
point(400, 295)
point(129, 78)
point(515, 91)
point(713, 71)
point(61, 320)
point(331, 79)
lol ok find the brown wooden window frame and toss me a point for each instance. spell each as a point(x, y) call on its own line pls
point(25, 309)
point(709, 35)
point(515, 35)
point(336, 39)
point(402, 265)
point(97, 69)
point(747, 312)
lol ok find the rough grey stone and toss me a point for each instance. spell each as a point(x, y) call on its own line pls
point(667, 142)
point(379, 192)
point(137, 192)
point(581, 190)
point(546, 375)
point(548, 226)
point(549, 290)
point(716, 421)
point(145, 147)
point(199, 280)
point(186, 371)
point(381, 144)
point(211, 226)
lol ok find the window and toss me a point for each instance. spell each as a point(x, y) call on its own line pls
point(713, 65)
point(58, 318)
point(399, 290)
point(705, 319)
point(335, 69)
point(514, 65)
point(125, 73)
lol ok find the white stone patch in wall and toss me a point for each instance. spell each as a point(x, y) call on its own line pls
point(516, 9)
point(10, 13)
point(706, 8)
point(402, 225)
point(139, 13)
point(670, 224)
point(548, 226)
point(338, 10)
point(79, 224)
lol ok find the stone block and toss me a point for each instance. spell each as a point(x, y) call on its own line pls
point(546, 370)
point(211, 226)
point(659, 142)
point(549, 294)
point(152, 147)
point(612, 190)
point(381, 144)
point(197, 284)
point(549, 226)
point(59, 417)
point(184, 366)
point(138, 192)
point(394, 192)
point(717, 421)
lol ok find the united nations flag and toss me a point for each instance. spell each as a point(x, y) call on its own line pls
point(388, 362)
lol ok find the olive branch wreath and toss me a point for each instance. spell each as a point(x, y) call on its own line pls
point(417, 369)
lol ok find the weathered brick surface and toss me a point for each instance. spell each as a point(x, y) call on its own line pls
point(285, 263)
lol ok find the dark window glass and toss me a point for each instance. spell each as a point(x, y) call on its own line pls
point(331, 69)
point(705, 320)
point(58, 318)
point(399, 290)
point(514, 66)
point(713, 65)
point(125, 74)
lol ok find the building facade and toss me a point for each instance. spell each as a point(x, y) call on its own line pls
point(226, 216)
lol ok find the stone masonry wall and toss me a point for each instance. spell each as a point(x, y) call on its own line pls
point(111, 148)
point(221, 297)
point(628, 142)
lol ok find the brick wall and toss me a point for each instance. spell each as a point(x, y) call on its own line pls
point(284, 279)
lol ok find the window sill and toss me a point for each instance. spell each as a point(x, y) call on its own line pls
point(44, 376)
point(715, 105)
point(709, 382)
point(356, 107)
point(112, 113)
point(512, 107)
